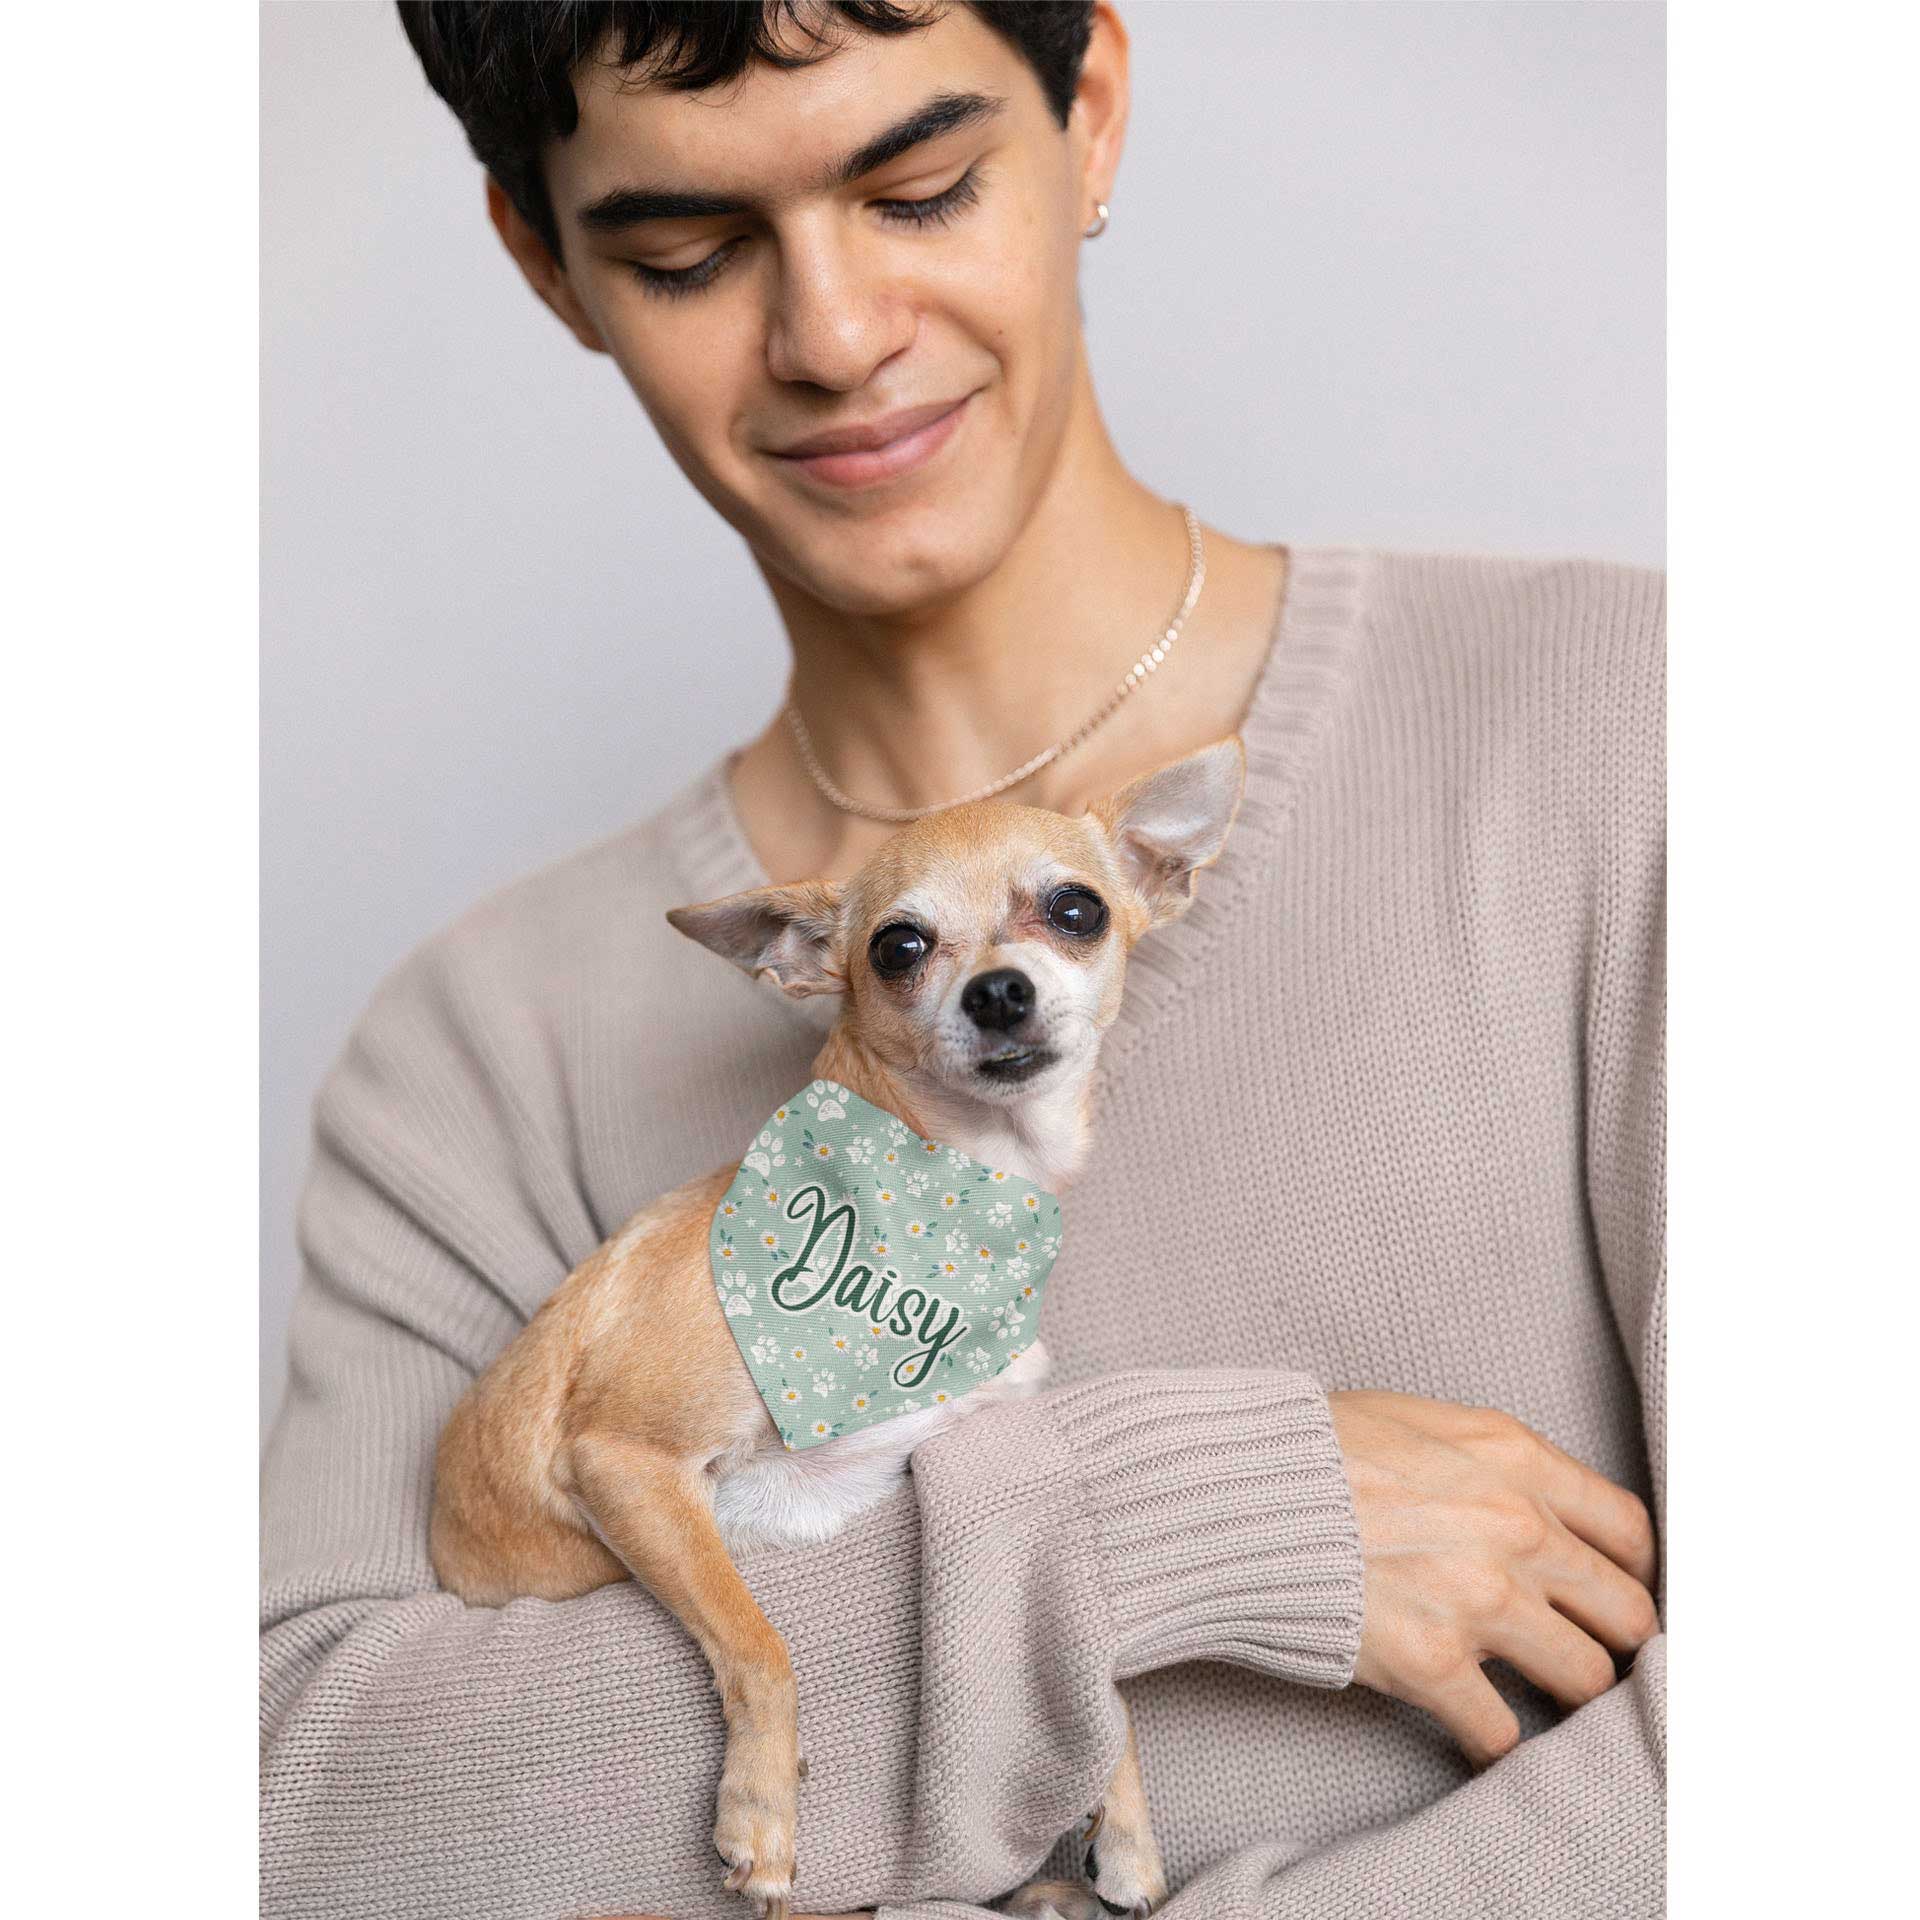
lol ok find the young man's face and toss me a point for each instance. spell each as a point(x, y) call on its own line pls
point(820, 306)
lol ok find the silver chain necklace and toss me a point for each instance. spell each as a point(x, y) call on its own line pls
point(1135, 675)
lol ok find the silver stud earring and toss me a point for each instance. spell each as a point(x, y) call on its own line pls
point(1099, 223)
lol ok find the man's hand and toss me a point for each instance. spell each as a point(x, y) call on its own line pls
point(1481, 1540)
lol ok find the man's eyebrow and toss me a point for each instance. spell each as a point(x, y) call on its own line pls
point(623, 207)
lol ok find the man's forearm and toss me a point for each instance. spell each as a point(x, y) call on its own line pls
point(426, 1757)
point(1569, 1826)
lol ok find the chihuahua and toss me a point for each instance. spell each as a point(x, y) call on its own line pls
point(981, 953)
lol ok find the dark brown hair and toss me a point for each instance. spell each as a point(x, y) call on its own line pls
point(506, 69)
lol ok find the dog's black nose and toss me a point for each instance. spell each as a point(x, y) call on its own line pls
point(1001, 997)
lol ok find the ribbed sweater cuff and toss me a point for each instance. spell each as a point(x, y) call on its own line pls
point(1225, 1519)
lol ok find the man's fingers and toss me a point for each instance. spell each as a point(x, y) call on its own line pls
point(1604, 1515)
point(1595, 1594)
point(1466, 1704)
point(1558, 1657)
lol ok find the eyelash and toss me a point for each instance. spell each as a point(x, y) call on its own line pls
point(935, 212)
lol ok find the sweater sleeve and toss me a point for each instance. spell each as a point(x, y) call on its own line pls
point(1572, 1823)
point(955, 1648)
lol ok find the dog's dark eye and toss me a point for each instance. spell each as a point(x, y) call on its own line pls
point(1074, 910)
point(898, 949)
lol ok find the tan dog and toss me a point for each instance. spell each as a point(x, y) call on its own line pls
point(982, 953)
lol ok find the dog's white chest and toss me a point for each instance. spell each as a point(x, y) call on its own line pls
point(775, 1496)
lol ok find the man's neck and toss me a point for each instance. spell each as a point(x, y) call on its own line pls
point(911, 708)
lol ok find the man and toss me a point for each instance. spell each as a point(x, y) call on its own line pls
point(1382, 1113)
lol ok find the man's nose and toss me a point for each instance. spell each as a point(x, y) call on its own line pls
point(830, 325)
point(999, 998)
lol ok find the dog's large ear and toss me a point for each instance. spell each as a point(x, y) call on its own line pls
point(790, 934)
point(1168, 824)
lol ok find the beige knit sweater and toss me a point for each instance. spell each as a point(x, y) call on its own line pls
point(1408, 1044)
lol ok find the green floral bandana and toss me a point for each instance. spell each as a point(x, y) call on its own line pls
point(867, 1272)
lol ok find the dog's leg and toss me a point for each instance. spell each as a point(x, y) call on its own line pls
point(654, 1512)
point(1125, 1865)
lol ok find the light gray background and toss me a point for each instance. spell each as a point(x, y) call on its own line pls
point(1391, 273)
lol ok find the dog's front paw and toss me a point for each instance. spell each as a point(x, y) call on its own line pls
point(1125, 1868)
point(753, 1832)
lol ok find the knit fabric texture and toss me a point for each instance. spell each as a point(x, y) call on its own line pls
point(1425, 985)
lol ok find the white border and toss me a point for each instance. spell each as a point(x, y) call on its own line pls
point(130, 786)
point(1792, 968)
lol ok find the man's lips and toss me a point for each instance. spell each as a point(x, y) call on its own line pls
point(896, 444)
point(868, 435)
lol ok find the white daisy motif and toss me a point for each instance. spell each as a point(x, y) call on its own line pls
point(949, 1199)
point(820, 1427)
point(940, 1398)
point(839, 1343)
point(799, 1353)
point(790, 1395)
point(861, 1403)
point(884, 1195)
point(916, 1229)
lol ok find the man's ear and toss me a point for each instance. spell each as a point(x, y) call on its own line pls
point(1168, 824)
point(790, 934)
point(543, 272)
